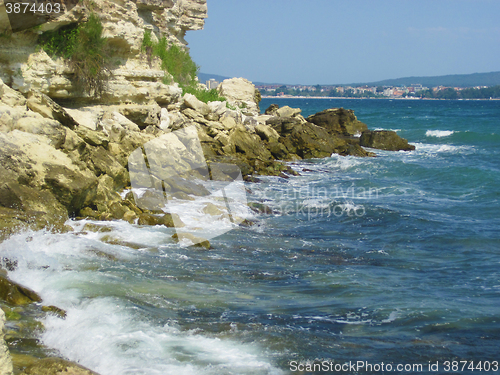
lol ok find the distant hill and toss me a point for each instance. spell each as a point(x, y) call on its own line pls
point(454, 80)
point(203, 77)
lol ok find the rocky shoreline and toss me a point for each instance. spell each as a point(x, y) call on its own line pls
point(65, 155)
point(59, 163)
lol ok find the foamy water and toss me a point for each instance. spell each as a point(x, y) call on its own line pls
point(439, 133)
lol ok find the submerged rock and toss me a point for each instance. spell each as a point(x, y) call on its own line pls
point(55, 311)
point(384, 140)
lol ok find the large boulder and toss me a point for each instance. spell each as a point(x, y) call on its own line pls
point(242, 93)
point(45, 106)
point(248, 144)
point(339, 121)
point(310, 141)
point(28, 161)
point(384, 140)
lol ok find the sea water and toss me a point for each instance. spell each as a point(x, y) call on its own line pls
point(386, 260)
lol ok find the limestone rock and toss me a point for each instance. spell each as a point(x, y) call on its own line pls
point(311, 141)
point(142, 115)
point(241, 93)
point(212, 209)
point(283, 125)
point(272, 110)
point(384, 140)
point(338, 121)
point(218, 108)
point(15, 294)
point(29, 159)
point(10, 97)
point(112, 127)
point(287, 111)
point(56, 366)
point(267, 133)
point(133, 77)
point(164, 119)
point(18, 118)
point(249, 145)
point(6, 367)
point(191, 101)
point(89, 117)
point(44, 105)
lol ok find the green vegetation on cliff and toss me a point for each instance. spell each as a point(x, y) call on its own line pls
point(176, 61)
point(86, 50)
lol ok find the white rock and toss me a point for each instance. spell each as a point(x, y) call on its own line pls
point(263, 118)
point(177, 120)
point(228, 122)
point(11, 97)
point(192, 101)
point(87, 116)
point(164, 119)
point(5, 358)
point(241, 93)
point(287, 111)
point(218, 108)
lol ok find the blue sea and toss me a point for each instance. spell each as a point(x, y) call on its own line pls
point(366, 265)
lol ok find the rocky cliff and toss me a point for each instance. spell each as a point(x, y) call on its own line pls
point(134, 78)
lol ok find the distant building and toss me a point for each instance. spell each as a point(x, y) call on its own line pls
point(212, 84)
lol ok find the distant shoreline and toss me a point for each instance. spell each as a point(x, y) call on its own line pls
point(350, 98)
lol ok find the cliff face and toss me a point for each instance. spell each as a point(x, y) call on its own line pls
point(133, 77)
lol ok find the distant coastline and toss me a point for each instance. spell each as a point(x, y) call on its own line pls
point(363, 98)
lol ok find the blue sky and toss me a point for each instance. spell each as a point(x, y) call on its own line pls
point(347, 41)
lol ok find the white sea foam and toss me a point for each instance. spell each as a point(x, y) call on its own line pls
point(343, 162)
point(103, 330)
point(440, 148)
point(103, 334)
point(439, 133)
point(394, 130)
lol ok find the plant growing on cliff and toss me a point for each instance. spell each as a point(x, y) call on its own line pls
point(176, 61)
point(202, 94)
point(86, 50)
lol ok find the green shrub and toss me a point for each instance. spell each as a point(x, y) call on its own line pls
point(90, 57)
point(177, 61)
point(174, 59)
point(203, 95)
point(61, 42)
point(86, 50)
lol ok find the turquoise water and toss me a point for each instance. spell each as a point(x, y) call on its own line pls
point(393, 260)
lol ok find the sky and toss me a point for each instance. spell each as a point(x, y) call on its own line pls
point(346, 41)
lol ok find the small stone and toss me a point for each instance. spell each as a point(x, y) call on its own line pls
point(55, 311)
